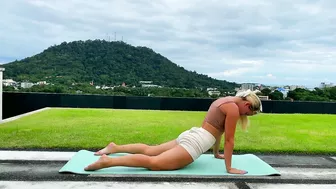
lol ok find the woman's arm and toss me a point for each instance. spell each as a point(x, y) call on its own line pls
point(216, 148)
point(232, 117)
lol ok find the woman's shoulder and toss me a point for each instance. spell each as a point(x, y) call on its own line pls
point(223, 100)
point(227, 105)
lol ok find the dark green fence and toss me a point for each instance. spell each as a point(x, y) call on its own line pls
point(19, 103)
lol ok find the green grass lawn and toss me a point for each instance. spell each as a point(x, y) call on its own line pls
point(95, 128)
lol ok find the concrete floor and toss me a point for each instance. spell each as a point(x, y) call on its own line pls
point(123, 185)
point(34, 169)
point(161, 185)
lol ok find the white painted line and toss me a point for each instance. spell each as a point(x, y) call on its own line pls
point(334, 158)
point(22, 115)
point(307, 173)
point(292, 186)
point(286, 173)
point(123, 185)
point(36, 155)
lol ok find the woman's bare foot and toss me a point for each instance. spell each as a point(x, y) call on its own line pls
point(102, 162)
point(109, 149)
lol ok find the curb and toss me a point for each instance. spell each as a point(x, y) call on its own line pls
point(23, 115)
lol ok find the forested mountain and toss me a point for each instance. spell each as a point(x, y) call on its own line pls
point(106, 63)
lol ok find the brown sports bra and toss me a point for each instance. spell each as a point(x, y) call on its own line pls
point(215, 116)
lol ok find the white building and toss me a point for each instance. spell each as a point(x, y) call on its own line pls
point(145, 82)
point(26, 84)
point(9, 82)
point(213, 91)
point(293, 87)
point(247, 86)
point(263, 97)
point(217, 93)
point(326, 85)
point(150, 85)
point(42, 83)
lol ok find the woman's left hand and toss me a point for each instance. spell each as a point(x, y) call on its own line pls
point(219, 156)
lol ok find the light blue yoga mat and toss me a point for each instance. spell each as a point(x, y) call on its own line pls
point(205, 165)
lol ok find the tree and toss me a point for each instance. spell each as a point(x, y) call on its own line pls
point(276, 95)
point(8, 88)
point(266, 91)
point(332, 93)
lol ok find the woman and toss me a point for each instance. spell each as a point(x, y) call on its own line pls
point(221, 118)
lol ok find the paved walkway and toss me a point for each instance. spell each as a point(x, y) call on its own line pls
point(34, 169)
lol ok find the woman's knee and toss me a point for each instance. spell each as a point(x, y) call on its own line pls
point(150, 151)
point(158, 165)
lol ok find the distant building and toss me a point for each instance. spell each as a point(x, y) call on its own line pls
point(213, 91)
point(247, 86)
point(8, 82)
point(148, 84)
point(145, 82)
point(326, 85)
point(263, 97)
point(293, 87)
point(42, 83)
point(283, 91)
point(26, 85)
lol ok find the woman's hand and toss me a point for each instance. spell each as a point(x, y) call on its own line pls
point(236, 171)
point(219, 156)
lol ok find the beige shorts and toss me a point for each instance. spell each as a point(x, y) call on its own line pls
point(196, 141)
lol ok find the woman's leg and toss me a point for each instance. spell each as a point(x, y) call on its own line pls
point(137, 148)
point(172, 159)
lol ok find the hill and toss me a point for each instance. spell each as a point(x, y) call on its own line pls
point(106, 63)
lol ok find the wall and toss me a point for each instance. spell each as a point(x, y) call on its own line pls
point(19, 103)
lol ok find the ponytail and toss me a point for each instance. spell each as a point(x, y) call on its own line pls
point(256, 105)
point(244, 122)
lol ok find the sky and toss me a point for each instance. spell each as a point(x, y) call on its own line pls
point(272, 42)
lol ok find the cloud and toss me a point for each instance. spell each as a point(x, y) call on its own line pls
point(231, 73)
point(278, 42)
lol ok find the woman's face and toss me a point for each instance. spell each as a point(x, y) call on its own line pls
point(246, 108)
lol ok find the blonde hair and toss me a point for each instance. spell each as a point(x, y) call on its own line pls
point(256, 105)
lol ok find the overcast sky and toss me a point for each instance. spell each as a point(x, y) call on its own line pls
point(262, 41)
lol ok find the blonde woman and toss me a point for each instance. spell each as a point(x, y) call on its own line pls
point(221, 119)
